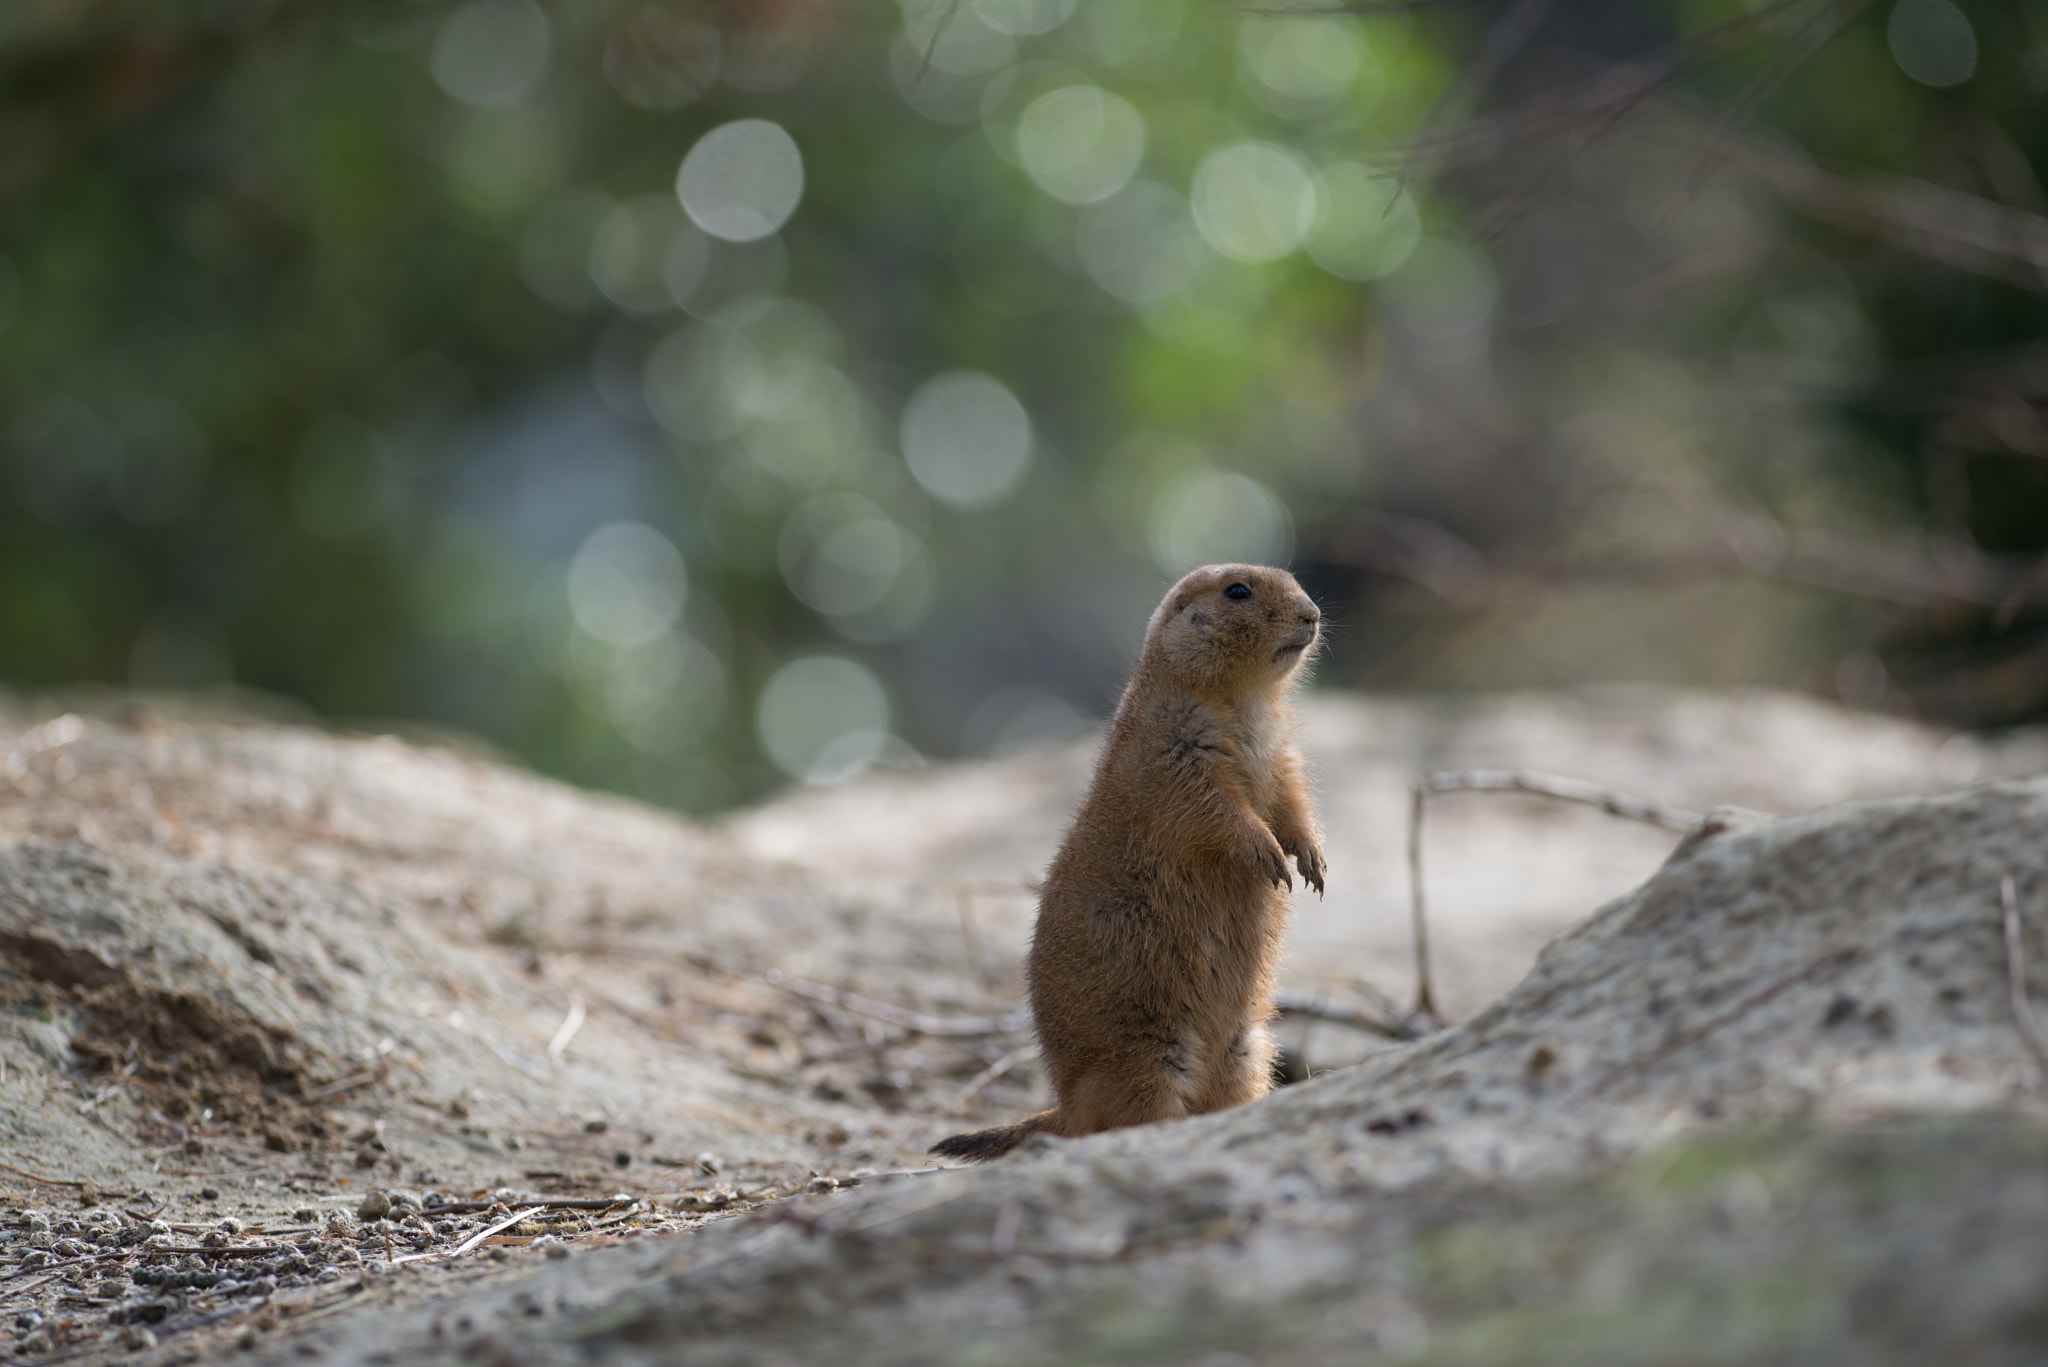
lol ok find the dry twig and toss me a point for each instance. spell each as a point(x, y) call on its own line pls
point(565, 1203)
point(1609, 800)
point(477, 1238)
point(1354, 1014)
point(1023, 1053)
point(2016, 975)
point(48, 1181)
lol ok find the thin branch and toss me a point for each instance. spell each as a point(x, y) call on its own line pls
point(1962, 231)
point(38, 1177)
point(1425, 994)
point(1609, 800)
point(2016, 975)
point(1505, 38)
point(1023, 1053)
point(931, 49)
point(1601, 101)
point(1613, 801)
point(1819, 29)
point(1316, 1007)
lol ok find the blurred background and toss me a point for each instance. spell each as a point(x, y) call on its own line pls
point(688, 399)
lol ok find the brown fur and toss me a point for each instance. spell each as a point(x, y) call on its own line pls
point(1151, 970)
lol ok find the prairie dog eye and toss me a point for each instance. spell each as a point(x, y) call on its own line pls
point(1238, 591)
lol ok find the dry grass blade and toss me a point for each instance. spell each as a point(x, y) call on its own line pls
point(571, 1023)
point(2016, 975)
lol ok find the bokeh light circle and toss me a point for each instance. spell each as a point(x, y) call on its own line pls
point(742, 180)
point(1932, 42)
point(626, 584)
point(1080, 143)
point(1209, 516)
point(1140, 244)
point(1024, 17)
point(492, 52)
point(966, 438)
point(1366, 224)
point(1301, 62)
point(822, 716)
point(1254, 201)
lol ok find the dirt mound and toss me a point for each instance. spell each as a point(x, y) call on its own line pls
point(1819, 1002)
point(504, 997)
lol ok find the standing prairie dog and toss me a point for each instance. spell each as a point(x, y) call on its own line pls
point(1151, 970)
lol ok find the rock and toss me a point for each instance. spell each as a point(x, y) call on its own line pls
point(375, 1205)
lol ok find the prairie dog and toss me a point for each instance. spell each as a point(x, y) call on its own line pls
point(1151, 968)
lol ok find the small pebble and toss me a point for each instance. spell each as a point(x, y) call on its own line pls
point(209, 1193)
point(375, 1206)
point(306, 1215)
point(230, 1225)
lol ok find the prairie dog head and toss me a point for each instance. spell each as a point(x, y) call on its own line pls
point(1233, 629)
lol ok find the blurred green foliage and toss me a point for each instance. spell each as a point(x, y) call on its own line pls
point(388, 354)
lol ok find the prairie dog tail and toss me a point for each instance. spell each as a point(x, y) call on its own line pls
point(982, 1145)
